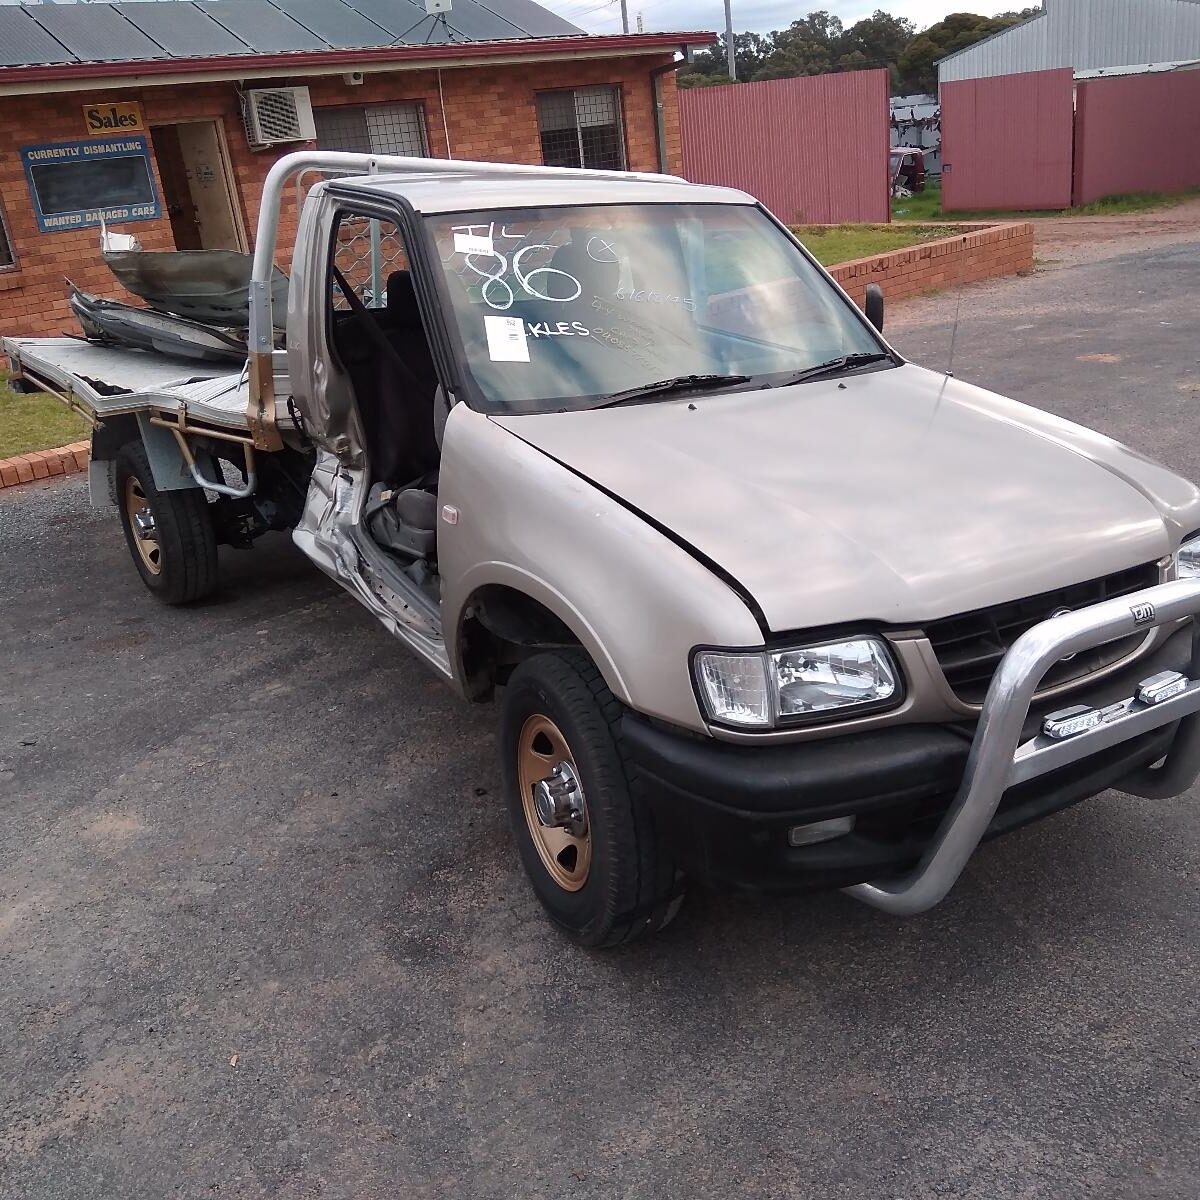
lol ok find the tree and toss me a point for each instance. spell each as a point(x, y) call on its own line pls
point(805, 47)
point(875, 41)
point(710, 66)
point(917, 63)
point(819, 43)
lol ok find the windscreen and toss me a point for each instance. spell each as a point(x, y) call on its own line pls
point(563, 308)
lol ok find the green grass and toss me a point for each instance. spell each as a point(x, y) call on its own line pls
point(927, 206)
point(35, 423)
point(840, 243)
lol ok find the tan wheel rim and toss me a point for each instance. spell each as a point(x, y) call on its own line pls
point(141, 525)
point(556, 811)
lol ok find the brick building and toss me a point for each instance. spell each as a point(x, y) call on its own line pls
point(143, 114)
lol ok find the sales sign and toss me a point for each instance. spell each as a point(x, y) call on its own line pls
point(113, 116)
point(74, 185)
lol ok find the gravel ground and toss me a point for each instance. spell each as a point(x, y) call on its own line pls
point(263, 933)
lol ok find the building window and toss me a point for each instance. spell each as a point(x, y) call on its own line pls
point(582, 128)
point(376, 129)
point(7, 258)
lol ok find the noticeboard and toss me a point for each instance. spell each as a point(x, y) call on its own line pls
point(74, 185)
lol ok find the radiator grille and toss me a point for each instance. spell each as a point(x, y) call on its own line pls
point(969, 647)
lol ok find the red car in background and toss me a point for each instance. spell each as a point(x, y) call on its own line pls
point(906, 170)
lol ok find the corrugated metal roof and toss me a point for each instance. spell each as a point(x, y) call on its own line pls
point(262, 26)
point(182, 29)
point(96, 32)
point(337, 24)
point(533, 18)
point(398, 17)
point(23, 40)
point(48, 34)
point(479, 24)
point(1083, 34)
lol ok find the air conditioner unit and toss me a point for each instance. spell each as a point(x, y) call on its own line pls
point(275, 115)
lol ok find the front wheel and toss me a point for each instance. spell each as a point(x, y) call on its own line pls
point(170, 535)
point(586, 837)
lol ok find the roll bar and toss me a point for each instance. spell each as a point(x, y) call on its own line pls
point(261, 407)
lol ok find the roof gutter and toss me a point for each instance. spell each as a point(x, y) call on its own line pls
point(152, 72)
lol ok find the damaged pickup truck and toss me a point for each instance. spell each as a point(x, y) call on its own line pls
point(763, 603)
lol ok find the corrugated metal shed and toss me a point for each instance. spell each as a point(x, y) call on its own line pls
point(1084, 34)
point(1137, 133)
point(1006, 141)
point(47, 34)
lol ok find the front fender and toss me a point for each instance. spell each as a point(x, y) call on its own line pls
point(638, 602)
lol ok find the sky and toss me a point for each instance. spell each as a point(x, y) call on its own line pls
point(604, 16)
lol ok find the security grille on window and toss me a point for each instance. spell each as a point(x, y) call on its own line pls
point(377, 129)
point(582, 128)
point(366, 251)
point(6, 254)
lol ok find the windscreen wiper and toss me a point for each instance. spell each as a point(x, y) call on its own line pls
point(680, 383)
point(845, 362)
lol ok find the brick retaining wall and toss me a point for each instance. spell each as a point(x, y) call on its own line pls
point(978, 252)
point(41, 464)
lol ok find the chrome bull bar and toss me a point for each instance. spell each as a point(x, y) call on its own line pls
point(998, 759)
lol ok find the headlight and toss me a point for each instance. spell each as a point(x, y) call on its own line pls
point(1187, 558)
point(770, 687)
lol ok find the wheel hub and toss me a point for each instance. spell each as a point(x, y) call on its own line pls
point(558, 800)
point(143, 523)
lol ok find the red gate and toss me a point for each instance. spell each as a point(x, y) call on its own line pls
point(812, 149)
point(1007, 141)
point(1137, 133)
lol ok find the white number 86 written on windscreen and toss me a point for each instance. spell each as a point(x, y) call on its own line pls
point(496, 291)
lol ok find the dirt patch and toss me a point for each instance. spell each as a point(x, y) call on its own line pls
point(1076, 238)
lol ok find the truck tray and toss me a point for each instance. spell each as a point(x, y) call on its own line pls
point(108, 380)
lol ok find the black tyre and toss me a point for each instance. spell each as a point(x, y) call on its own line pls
point(587, 838)
point(170, 535)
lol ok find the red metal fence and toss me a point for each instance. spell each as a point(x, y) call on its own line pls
point(1137, 133)
point(1006, 141)
point(812, 149)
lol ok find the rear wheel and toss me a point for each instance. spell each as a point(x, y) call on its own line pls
point(170, 535)
point(586, 837)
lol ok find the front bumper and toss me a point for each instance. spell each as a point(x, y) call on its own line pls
point(923, 796)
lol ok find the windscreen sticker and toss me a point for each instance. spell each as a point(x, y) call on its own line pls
point(506, 339)
point(473, 243)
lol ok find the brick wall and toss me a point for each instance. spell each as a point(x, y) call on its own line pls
point(490, 114)
point(978, 252)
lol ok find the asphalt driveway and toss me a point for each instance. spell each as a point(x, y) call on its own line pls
point(263, 933)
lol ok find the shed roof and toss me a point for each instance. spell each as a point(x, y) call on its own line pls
point(168, 30)
point(1084, 34)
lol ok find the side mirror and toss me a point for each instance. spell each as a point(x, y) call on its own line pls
point(874, 305)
